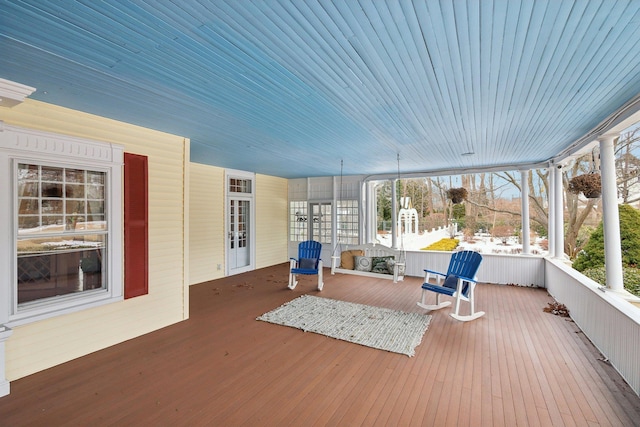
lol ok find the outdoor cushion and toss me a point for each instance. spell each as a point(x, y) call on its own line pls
point(379, 264)
point(451, 281)
point(347, 258)
point(391, 263)
point(307, 263)
point(363, 263)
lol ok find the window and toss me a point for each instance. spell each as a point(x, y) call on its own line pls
point(348, 222)
point(61, 209)
point(321, 222)
point(309, 223)
point(237, 185)
point(298, 221)
point(61, 231)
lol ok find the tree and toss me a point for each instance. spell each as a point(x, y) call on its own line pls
point(592, 255)
point(578, 208)
point(628, 166)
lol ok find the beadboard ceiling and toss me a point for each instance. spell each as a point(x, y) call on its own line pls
point(291, 88)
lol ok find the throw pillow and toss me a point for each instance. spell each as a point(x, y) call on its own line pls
point(346, 258)
point(451, 281)
point(362, 263)
point(391, 263)
point(308, 263)
point(379, 264)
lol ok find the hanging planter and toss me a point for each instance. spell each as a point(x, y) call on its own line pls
point(457, 195)
point(588, 184)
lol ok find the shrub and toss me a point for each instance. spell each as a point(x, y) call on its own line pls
point(630, 277)
point(592, 255)
point(442, 245)
point(458, 214)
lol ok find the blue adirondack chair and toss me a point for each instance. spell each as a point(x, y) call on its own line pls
point(308, 262)
point(459, 283)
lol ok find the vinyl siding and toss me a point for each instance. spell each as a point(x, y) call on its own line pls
point(271, 220)
point(206, 223)
point(43, 344)
point(207, 212)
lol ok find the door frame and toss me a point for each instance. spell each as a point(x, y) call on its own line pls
point(238, 174)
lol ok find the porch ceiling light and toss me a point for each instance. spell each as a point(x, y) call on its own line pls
point(12, 93)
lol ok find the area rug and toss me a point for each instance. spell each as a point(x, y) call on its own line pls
point(375, 327)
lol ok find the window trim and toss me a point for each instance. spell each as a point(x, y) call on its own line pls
point(21, 145)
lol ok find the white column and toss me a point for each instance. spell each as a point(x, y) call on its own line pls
point(372, 214)
point(334, 215)
point(610, 215)
point(394, 215)
point(551, 229)
point(524, 196)
point(558, 212)
point(5, 333)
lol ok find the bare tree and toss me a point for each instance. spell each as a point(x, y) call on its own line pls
point(628, 166)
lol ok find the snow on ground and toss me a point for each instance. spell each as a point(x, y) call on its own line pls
point(482, 242)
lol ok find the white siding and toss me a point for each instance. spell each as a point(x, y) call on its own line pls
point(43, 344)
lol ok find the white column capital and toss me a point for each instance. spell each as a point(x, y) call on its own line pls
point(608, 137)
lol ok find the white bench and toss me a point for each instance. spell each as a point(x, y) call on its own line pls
point(371, 250)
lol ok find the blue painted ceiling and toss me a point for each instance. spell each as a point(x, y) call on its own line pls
point(292, 87)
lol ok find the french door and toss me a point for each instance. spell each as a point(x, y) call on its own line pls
point(240, 223)
point(238, 243)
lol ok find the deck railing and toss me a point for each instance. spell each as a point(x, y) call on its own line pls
point(610, 322)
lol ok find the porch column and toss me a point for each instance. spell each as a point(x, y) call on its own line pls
point(370, 234)
point(5, 333)
point(337, 193)
point(551, 229)
point(558, 212)
point(610, 215)
point(524, 198)
point(394, 215)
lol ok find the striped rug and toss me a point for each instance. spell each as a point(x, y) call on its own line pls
point(381, 328)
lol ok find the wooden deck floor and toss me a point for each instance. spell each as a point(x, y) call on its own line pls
point(517, 366)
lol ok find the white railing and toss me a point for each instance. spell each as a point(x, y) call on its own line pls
point(611, 323)
point(522, 270)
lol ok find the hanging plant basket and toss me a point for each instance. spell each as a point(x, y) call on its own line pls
point(457, 195)
point(588, 184)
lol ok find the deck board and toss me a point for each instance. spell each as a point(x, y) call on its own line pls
point(517, 365)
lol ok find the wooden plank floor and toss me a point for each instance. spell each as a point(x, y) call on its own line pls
point(517, 366)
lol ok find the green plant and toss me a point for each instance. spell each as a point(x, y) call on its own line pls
point(592, 255)
point(458, 215)
point(630, 277)
point(442, 245)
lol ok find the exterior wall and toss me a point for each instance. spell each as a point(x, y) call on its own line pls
point(206, 223)
point(207, 227)
point(40, 345)
point(271, 220)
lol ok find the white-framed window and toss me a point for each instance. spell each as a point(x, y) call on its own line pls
point(348, 222)
point(298, 221)
point(320, 221)
point(60, 201)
